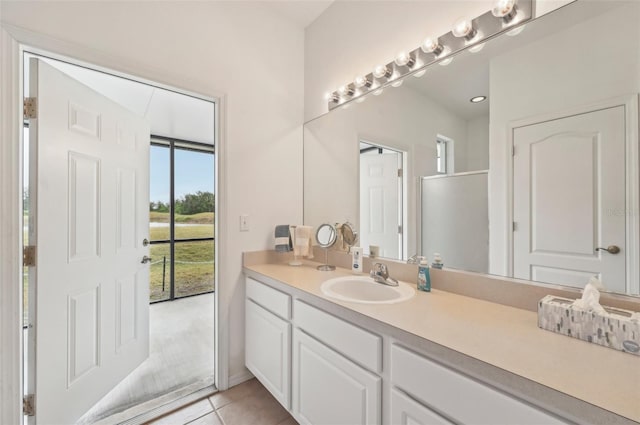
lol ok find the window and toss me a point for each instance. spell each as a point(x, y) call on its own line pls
point(444, 155)
point(181, 219)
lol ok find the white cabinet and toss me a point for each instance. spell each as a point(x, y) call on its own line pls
point(331, 389)
point(406, 411)
point(458, 397)
point(268, 341)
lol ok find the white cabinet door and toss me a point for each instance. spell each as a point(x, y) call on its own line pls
point(267, 350)
point(330, 389)
point(406, 411)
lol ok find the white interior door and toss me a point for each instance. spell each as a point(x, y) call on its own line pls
point(570, 198)
point(380, 203)
point(91, 193)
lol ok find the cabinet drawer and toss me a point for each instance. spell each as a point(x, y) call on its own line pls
point(458, 397)
point(405, 411)
point(273, 300)
point(359, 345)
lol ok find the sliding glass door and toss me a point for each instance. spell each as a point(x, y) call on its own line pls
point(181, 215)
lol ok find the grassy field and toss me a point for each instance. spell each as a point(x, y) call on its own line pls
point(194, 268)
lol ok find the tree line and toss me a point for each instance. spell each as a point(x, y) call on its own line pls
point(191, 203)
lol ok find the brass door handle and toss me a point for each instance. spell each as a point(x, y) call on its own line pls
point(611, 249)
point(146, 259)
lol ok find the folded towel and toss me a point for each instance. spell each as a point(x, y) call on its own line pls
point(302, 240)
point(282, 238)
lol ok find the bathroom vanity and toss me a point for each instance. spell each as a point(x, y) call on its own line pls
point(437, 358)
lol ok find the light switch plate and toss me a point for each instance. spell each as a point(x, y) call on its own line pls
point(244, 222)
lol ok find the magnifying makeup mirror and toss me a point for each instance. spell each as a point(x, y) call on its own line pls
point(349, 235)
point(326, 236)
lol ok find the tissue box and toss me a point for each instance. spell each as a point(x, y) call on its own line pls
point(618, 329)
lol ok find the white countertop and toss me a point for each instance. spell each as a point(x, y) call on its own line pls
point(502, 336)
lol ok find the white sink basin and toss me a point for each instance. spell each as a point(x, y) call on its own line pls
point(363, 289)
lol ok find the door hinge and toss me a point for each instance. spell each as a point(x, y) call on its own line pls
point(400, 172)
point(513, 151)
point(29, 405)
point(30, 108)
point(29, 256)
point(400, 228)
point(515, 226)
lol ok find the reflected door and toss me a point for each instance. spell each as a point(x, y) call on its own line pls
point(380, 202)
point(569, 198)
point(89, 182)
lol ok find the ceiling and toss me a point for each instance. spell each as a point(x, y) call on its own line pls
point(170, 114)
point(300, 12)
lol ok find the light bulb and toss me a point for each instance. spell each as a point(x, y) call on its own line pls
point(360, 99)
point(464, 28)
point(330, 97)
point(404, 58)
point(361, 81)
point(478, 99)
point(445, 62)
point(397, 83)
point(432, 45)
point(381, 71)
point(420, 73)
point(378, 92)
point(345, 90)
point(505, 9)
point(476, 48)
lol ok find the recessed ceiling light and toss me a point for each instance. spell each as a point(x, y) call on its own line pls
point(478, 99)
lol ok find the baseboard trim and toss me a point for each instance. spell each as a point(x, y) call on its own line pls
point(239, 378)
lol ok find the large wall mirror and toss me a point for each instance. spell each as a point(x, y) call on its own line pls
point(528, 183)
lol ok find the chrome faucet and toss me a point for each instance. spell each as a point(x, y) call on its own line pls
point(380, 274)
point(415, 259)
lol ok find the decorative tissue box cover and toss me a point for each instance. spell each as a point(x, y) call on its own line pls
point(619, 329)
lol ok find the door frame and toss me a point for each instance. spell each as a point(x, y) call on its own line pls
point(14, 41)
point(632, 176)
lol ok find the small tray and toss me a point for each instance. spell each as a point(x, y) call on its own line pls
point(618, 329)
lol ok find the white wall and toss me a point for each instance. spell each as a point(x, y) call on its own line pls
point(238, 49)
point(478, 144)
point(400, 118)
point(594, 61)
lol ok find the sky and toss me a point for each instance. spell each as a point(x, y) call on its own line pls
point(194, 172)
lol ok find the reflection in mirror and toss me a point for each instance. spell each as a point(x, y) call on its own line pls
point(349, 235)
point(557, 133)
point(326, 236)
point(381, 194)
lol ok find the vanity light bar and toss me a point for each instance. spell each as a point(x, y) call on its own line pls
point(504, 17)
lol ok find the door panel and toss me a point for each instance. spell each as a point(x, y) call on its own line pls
point(317, 372)
point(569, 182)
point(380, 200)
point(91, 190)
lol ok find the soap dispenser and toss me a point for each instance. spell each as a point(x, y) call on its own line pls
point(424, 279)
point(356, 259)
point(437, 261)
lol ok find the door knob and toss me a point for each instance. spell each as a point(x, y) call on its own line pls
point(146, 259)
point(611, 249)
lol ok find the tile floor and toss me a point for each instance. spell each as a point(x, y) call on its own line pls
point(246, 404)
